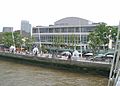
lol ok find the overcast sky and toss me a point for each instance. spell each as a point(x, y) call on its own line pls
point(45, 12)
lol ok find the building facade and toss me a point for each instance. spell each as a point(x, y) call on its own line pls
point(69, 29)
point(25, 27)
point(7, 29)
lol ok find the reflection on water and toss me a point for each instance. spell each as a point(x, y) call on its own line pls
point(13, 74)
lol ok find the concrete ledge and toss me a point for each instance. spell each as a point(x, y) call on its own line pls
point(76, 66)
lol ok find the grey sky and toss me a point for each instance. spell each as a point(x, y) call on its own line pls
point(45, 12)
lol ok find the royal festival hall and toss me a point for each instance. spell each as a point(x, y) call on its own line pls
point(65, 28)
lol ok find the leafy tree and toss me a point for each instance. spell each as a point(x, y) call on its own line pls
point(101, 36)
point(1, 37)
point(7, 39)
point(69, 41)
point(29, 42)
point(103, 32)
point(43, 49)
point(113, 32)
point(72, 40)
point(94, 42)
point(18, 39)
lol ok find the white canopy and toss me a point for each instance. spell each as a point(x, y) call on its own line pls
point(12, 49)
point(35, 50)
point(75, 55)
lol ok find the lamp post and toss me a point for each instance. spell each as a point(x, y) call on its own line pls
point(80, 28)
point(39, 39)
point(13, 39)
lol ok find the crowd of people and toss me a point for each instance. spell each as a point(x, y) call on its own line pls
point(35, 51)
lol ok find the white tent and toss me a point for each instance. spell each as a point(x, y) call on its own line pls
point(12, 49)
point(66, 53)
point(75, 55)
point(89, 54)
point(35, 51)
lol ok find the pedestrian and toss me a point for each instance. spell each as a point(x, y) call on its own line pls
point(69, 57)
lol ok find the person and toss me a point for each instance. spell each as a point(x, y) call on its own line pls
point(69, 57)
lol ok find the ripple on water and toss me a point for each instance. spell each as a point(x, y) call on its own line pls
point(13, 74)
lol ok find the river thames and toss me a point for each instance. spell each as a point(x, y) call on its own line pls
point(16, 74)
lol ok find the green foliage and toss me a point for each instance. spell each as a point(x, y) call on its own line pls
point(17, 39)
point(94, 42)
point(101, 36)
point(103, 32)
point(43, 49)
point(106, 32)
point(72, 40)
point(7, 39)
point(28, 42)
point(58, 41)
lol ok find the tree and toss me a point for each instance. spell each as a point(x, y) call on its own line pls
point(72, 40)
point(94, 42)
point(28, 42)
point(105, 33)
point(1, 37)
point(113, 32)
point(43, 49)
point(101, 36)
point(7, 39)
point(18, 39)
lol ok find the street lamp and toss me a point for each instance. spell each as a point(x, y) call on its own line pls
point(39, 38)
point(80, 40)
point(13, 38)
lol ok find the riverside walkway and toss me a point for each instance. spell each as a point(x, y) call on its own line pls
point(47, 60)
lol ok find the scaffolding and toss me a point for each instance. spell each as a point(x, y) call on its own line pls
point(114, 76)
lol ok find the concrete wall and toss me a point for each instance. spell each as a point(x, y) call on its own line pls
point(76, 66)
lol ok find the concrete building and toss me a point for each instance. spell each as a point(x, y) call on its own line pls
point(25, 27)
point(66, 28)
point(7, 29)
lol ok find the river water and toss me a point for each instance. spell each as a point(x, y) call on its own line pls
point(16, 74)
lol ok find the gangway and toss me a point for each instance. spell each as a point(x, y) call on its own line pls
point(114, 76)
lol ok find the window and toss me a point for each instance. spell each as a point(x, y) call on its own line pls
point(64, 30)
point(57, 30)
point(36, 38)
point(70, 29)
point(35, 30)
point(84, 39)
point(77, 29)
point(43, 30)
point(87, 29)
point(51, 30)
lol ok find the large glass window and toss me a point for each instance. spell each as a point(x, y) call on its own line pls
point(51, 30)
point(36, 38)
point(57, 30)
point(77, 29)
point(35, 30)
point(87, 29)
point(43, 38)
point(43, 30)
point(71, 29)
point(64, 30)
point(84, 39)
